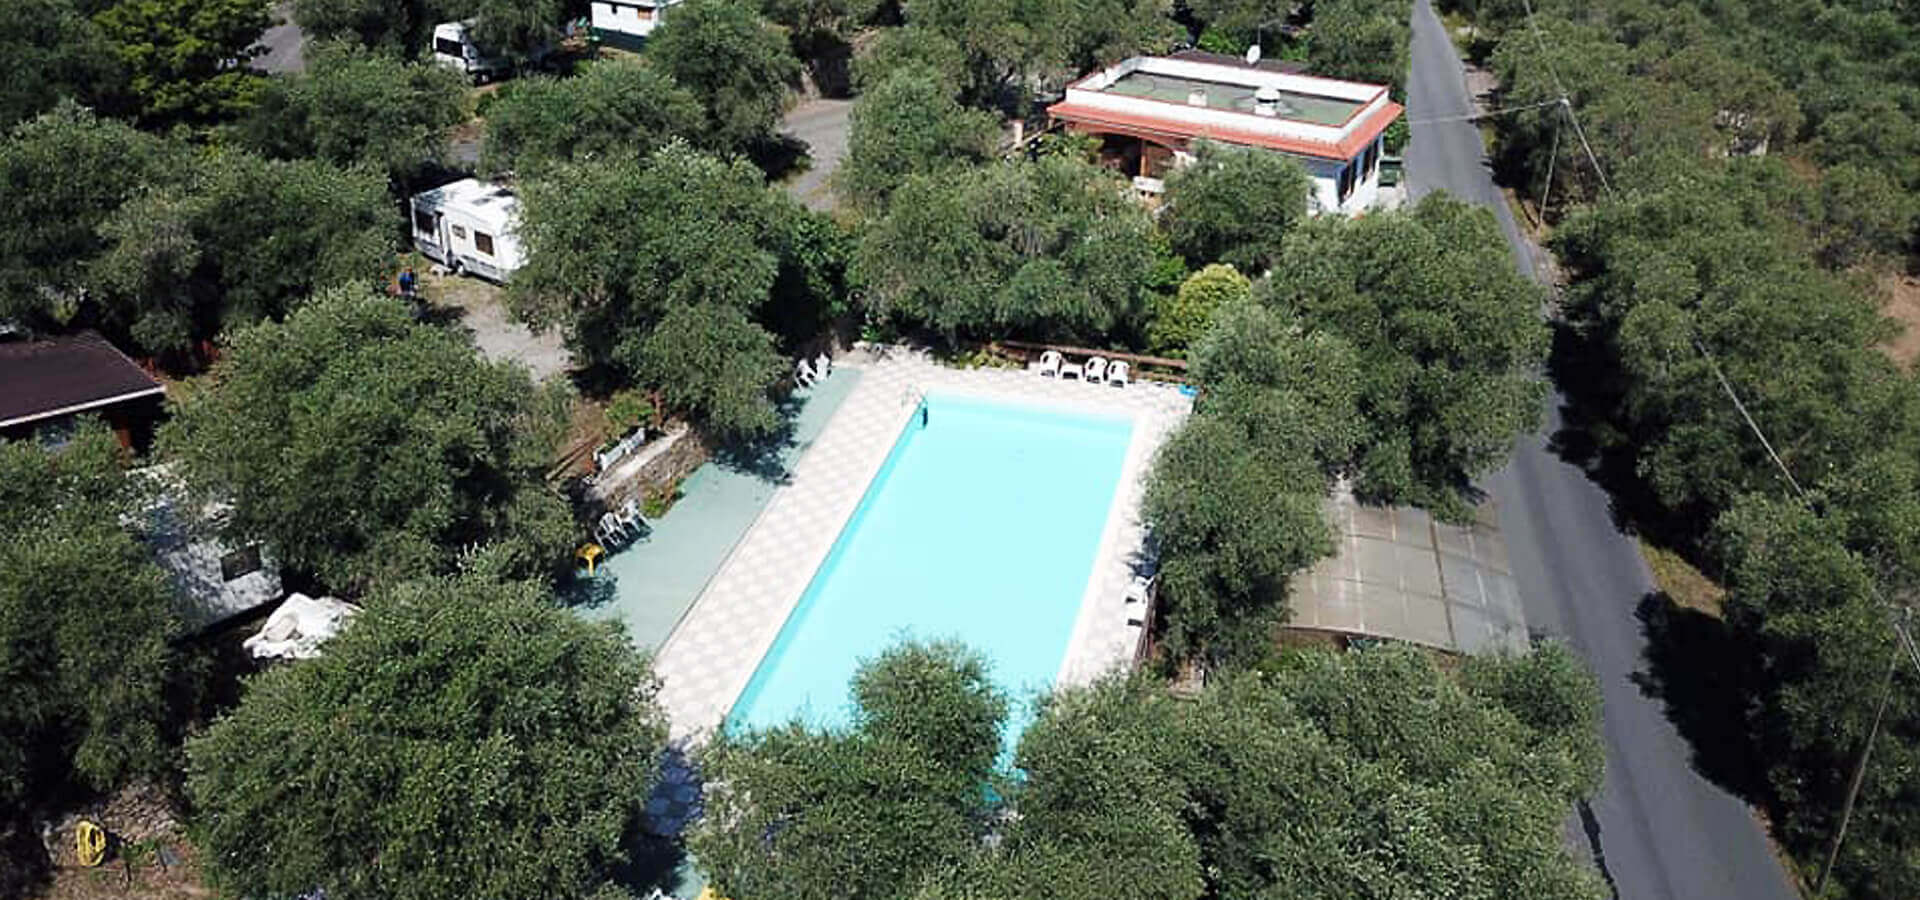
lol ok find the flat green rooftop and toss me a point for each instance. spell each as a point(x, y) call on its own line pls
point(1309, 108)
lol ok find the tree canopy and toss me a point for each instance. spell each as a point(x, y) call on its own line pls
point(51, 51)
point(85, 622)
point(1270, 783)
point(403, 28)
point(664, 271)
point(180, 55)
point(1182, 319)
point(358, 107)
point(1235, 206)
point(367, 448)
point(461, 737)
point(1049, 248)
point(910, 123)
point(1449, 336)
point(734, 61)
point(611, 108)
point(67, 171)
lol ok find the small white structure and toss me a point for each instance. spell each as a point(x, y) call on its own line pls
point(469, 226)
point(298, 628)
point(1148, 111)
point(627, 23)
point(214, 580)
point(455, 49)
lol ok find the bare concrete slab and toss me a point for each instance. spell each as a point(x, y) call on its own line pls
point(1400, 574)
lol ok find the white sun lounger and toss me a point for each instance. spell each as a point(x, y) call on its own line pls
point(1117, 373)
point(1050, 363)
point(1096, 370)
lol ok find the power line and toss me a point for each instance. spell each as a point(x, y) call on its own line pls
point(1469, 117)
point(1566, 101)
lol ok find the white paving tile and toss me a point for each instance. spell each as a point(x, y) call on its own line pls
point(709, 659)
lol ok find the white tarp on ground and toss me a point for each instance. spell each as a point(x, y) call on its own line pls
point(298, 628)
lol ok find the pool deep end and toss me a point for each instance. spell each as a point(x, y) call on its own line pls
point(981, 526)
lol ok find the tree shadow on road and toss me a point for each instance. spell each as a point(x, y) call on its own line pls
point(1704, 675)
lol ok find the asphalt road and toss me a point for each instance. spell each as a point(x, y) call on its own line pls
point(283, 43)
point(822, 125)
point(1657, 829)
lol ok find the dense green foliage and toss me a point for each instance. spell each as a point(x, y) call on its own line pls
point(65, 173)
point(1449, 338)
point(400, 27)
point(610, 109)
point(357, 107)
point(867, 813)
point(1182, 318)
point(160, 246)
point(1049, 248)
point(1234, 497)
point(50, 51)
point(664, 271)
point(1355, 40)
point(1234, 205)
point(734, 61)
point(244, 239)
point(910, 123)
point(1269, 784)
point(460, 738)
point(180, 55)
point(85, 620)
point(366, 448)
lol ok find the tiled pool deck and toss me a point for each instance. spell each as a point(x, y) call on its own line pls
point(657, 579)
point(713, 653)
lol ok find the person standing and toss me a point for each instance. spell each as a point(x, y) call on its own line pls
point(406, 282)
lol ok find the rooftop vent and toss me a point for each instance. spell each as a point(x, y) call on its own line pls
point(1197, 98)
point(1266, 101)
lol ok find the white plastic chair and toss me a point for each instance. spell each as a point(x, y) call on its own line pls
point(822, 366)
point(803, 374)
point(1050, 363)
point(1096, 369)
point(629, 516)
point(1117, 373)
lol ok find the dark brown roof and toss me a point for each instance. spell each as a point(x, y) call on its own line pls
point(1286, 66)
point(42, 379)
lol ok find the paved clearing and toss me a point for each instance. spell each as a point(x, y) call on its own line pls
point(283, 42)
point(1658, 829)
point(822, 125)
point(480, 308)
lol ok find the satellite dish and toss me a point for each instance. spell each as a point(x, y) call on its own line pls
point(1253, 55)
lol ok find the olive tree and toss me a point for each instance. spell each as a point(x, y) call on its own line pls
point(611, 108)
point(910, 123)
point(86, 619)
point(736, 62)
point(1235, 206)
point(367, 448)
point(459, 738)
point(1050, 248)
point(1448, 332)
point(662, 271)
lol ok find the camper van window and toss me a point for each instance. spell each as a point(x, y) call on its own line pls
point(483, 242)
point(422, 221)
point(460, 231)
point(450, 48)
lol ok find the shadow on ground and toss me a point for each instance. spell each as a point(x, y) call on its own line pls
point(1704, 676)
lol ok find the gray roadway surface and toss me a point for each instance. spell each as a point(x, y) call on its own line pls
point(282, 42)
point(1658, 829)
point(822, 125)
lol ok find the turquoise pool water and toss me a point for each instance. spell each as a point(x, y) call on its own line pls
point(981, 526)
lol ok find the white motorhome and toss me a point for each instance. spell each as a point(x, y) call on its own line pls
point(469, 226)
point(627, 23)
point(455, 49)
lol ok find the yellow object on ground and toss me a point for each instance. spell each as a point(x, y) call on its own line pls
point(90, 841)
point(589, 554)
point(706, 893)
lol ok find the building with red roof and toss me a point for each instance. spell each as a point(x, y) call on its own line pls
point(1148, 111)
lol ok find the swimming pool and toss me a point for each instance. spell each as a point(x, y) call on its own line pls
point(981, 526)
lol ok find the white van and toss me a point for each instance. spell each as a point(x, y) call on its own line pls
point(454, 49)
point(470, 227)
